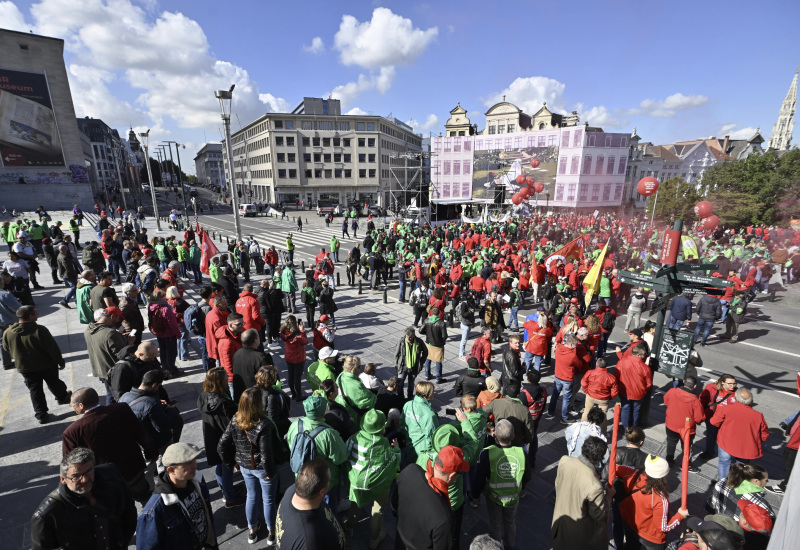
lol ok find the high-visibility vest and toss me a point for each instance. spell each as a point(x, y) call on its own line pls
point(506, 468)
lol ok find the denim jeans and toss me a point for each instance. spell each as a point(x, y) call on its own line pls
point(184, 343)
point(437, 365)
point(73, 288)
point(674, 323)
point(462, 350)
point(725, 461)
point(168, 350)
point(724, 304)
point(558, 387)
point(402, 293)
point(537, 361)
point(294, 374)
point(198, 275)
point(704, 325)
point(401, 378)
point(630, 412)
point(603, 345)
point(513, 322)
point(263, 489)
point(225, 481)
point(711, 438)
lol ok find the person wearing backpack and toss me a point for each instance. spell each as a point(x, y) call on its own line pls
point(353, 395)
point(164, 325)
point(607, 318)
point(517, 301)
point(251, 442)
point(180, 306)
point(309, 437)
point(736, 312)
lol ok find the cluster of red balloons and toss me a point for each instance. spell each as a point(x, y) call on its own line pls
point(704, 210)
point(528, 186)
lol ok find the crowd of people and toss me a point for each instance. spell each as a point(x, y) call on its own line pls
point(363, 441)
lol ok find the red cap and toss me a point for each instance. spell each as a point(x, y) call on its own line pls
point(324, 318)
point(757, 518)
point(451, 460)
point(114, 310)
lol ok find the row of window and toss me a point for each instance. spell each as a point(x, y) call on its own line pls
point(514, 143)
point(454, 167)
point(453, 190)
point(612, 166)
point(326, 173)
point(501, 129)
point(596, 191)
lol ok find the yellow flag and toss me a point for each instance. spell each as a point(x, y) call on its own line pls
point(592, 279)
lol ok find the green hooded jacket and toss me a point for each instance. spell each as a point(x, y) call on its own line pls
point(288, 282)
point(462, 436)
point(317, 372)
point(358, 396)
point(373, 465)
point(329, 444)
point(418, 423)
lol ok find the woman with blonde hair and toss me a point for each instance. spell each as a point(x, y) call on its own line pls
point(419, 421)
point(252, 443)
point(353, 395)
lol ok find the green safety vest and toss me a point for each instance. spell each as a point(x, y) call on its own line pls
point(506, 468)
point(161, 252)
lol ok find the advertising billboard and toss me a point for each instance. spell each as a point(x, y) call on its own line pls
point(497, 169)
point(28, 130)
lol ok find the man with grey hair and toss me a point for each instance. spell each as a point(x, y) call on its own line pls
point(68, 273)
point(67, 517)
point(501, 473)
point(742, 431)
point(485, 542)
point(104, 344)
point(131, 314)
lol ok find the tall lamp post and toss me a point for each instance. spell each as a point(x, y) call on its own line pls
point(180, 174)
point(145, 136)
point(113, 148)
point(225, 98)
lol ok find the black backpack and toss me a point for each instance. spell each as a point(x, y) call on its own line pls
point(608, 321)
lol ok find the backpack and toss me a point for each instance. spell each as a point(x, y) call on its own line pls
point(608, 321)
point(414, 299)
point(458, 312)
point(303, 446)
point(157, 322)
point(192, 319)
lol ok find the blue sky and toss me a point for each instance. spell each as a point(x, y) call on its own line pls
point(675, 70)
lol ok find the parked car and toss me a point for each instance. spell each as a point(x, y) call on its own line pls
point(248, 210)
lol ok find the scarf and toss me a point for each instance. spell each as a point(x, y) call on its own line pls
point(436, 484)
point(411, 354)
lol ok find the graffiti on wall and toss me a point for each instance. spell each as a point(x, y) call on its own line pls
point(76, 174)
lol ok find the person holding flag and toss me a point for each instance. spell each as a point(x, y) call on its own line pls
point(592, 281)
point(207, 250)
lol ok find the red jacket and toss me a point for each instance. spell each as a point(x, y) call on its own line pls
point(247, 306)
point(741, 430)
point(227, 344)
point(482, 351)
point(538, 274)
point(682, 404)
point(600, 384)
point(476, 283)
point(712, 399)
point(634, 378)
point(173, 281)
point(271, 257)
point(647, 514)
point(569, 363)
point(794, 437)
point(601, 314)
point(295, 346)
point(538, 337)
point(215, 319)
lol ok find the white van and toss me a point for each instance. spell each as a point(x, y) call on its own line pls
point(247, 210)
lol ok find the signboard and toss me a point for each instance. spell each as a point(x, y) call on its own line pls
point(673, 357)
point(703, 280)
point(28, 130)
point(669, 250)
point(702, 290)
point(660, 304)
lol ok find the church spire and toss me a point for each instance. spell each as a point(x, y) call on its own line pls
point(781, 136)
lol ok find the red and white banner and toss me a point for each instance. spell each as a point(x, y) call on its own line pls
point(573, 250)
point(209, 250)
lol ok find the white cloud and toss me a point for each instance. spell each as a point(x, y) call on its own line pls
point(430, 123)
point(12, 18)
point(741, 133)
point(348, 93)
point(668, 107)
point(97, 101)
point(356, 111)
point(530, 93)
point(317, 46)
point(599, 116)
point(387, 39)
point(274, 104)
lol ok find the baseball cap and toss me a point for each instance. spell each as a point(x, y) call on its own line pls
point(637, 332)
point(180, 453)
point(472, 363)
point(757, 518)
point(327, 352)
point(540, 308)
point(112, 311)
point(451, 460)
point(712, 533)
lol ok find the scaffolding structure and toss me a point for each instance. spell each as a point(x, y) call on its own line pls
point(411, 182)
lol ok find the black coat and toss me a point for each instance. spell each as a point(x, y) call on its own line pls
point(254, 450)
point(326, 304)
point(217, 411)
point(270, 302)
point(66, 520)
point(424, 517)
point(340, 420)
point(388, 400)
point(246, 363)
point(511, 377)
point(470, 383)
point(276, 406)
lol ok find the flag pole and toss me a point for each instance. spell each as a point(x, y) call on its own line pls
point(685, 470)
point(612, 456)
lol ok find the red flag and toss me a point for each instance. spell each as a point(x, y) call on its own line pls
point(571, 251)
point(209, 250)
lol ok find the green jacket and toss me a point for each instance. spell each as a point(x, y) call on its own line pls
point(36, 232)
point(5, 230)
point(317, 372)
point(195, 254)
point(288, 282)
point(214, 272)
point(183, 254)
point(354, 395)
point(605, 287)
point(462, 436)
point(85, 310)
point(418, 423)
point(329, 444)
point(373, 465)
point(335, 244)
point(161, 252)
point(12, 232)
point(32, 347)
point(478, 420)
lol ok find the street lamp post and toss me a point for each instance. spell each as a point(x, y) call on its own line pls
point(119, 175)
point(225, 98)
point(144, 138)
point(180, 175)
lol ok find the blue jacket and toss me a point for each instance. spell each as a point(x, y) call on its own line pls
point(681, 308)
point(163, 523)
point(148, 409)
point(8, 308)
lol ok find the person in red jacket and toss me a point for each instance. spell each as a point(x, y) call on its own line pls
point(216, 318)
point(476, 284)
point(714, 395)
point(682, 403)
point(605, 333)
point(570, 362)
point(742, 431)
point(482, 351)
point(247, 306)
point(540, 333)
point(229, 341)
point(789, 456)
point(293, 333)
point(538, 276)
point(635, 379)
point(600, 387)
point(171, 274)
point(271, 259)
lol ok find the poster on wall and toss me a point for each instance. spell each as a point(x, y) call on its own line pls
point(28, 130)
point(494, 170)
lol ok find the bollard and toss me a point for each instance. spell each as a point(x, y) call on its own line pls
point(306, 221)
point(338, 279)
point(385, 294)
point(360, 289)
point(303, 265)
point(450, 322)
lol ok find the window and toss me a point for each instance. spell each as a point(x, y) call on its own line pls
point(290, 141)
point(571, 188)
point(598, 167)
point(282, 173)
point(326, 142)
point(587, 164)
point(492, 130)
point(478, 144)
point(371, 157)
point(565, 139)
point(318, 173)
point(541, 142)
point(447, 168)
point(362, 157)
point(328, 173)
point(317, 157)
point(307, 125)
point(559, 192)
point(345, 142)
point(618, 192)
point(608, 141)
point(573, 168)
point(596, 192)
point(337, 142)
point(326, 157)
point(362, 142)
point(370, 142)
point(508, 144)
point(447, 145)
point(501, 128)
point(517, 143)
point(456, 145)
point(290, 126)
point(562, 165)
point(590, 141)
point(467, 145)
point(577, 141)
point(347, 157)
point(622, 162)
point(315, 141)
point(370, 126)
point(610, 166)
point(583, 193)
point(281, 157)
point(344, 126)
point(348, 173)
point(466, 167)
point(337, 157)
point(551, 140)
point(360, 126)
point(466, 189)
point(372, 172)
point(279, 124)
point(456, 168)
point(362, 173)
point(337, 173)
point(291, 157)
point(279, 140)
point(308, 173)
point(306, 142)
point(510, 128)
point(607, 192)
point(531, 141)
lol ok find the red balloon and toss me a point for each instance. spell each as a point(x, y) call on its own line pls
point(538, 187)
point(647, 186)
point(711, 221)
point(529, 180)
point(516, 199)
point(524, 192)
point(703, 209)
point(520, 180)
point(535, 163)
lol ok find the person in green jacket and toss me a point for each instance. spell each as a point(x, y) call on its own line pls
point(289, 288)
point(323, 368)
point(290, 248)
point(335, 245)
point(374, 464)
point(8, 235)
point(419, 421)
point(183, 258)
point(195, 256)
point(353, 395)
point(328, 443)
point(161, 253)
point(85, 285)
